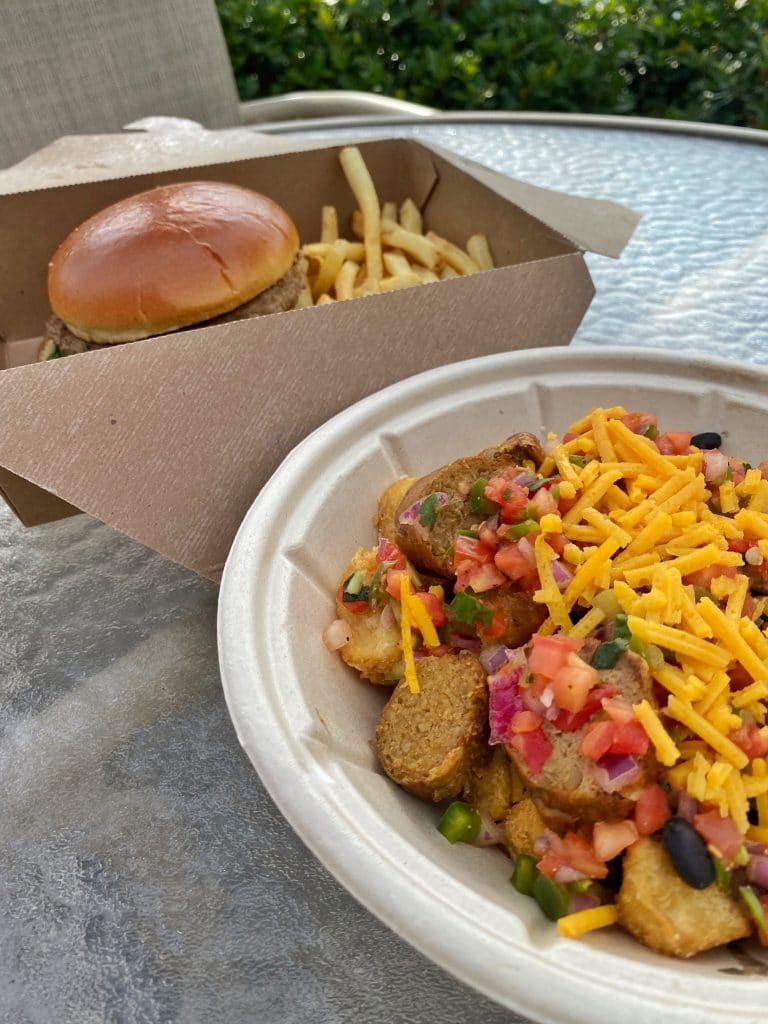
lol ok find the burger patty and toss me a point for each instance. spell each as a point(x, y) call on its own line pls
point(277, 299)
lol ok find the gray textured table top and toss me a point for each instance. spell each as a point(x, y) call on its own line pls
point(146, 875)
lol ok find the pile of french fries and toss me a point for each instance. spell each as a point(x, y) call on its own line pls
point(391, 249)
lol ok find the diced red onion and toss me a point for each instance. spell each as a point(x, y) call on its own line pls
point(687, 806)
point(583, 901)
point(561, 574)
point(490, 833)
point(493, 522)
point(757, 871)
point(411, 515)
point(388, 616)
point(492, 658)
point(504, 702)
point(543, 843)
point(526, 549)
point(337, 634)
point(715, 466)
point(547, 696)
point(757, 848)
point(616, 771)
point(524, 479)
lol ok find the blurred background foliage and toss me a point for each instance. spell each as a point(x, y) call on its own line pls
point(694, 59)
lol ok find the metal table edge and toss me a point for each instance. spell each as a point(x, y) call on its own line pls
point(725, 133)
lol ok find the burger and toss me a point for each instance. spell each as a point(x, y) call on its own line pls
point(178, 256)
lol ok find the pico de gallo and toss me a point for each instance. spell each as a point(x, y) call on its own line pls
point(614, 589)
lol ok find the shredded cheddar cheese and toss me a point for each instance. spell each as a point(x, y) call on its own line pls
point(640, 525)
point(406, 638)
point(573, 925)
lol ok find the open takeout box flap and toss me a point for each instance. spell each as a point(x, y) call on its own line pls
point(169, 440)
point(594, 225)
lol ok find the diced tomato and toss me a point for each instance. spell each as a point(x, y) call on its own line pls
point(497, 627)
point(484, 577)
point(618, 710)
point(739, 677)
point(738, 469)
point(638, 422)
point(469, 554)
point(356, 607)
point(598, 739)
point(740, 544)
point(434, 607)
point(566, 504)
point(533, 747)
point(392, 582)
point(488, 537)
point(569, 436)
point(652, 810)
point(526, 721)
point(550, 653)
point(674, 442)
point(572, 684)
point(557, 542)
point(763, 467)
point(543, 502)
point(749, 739)
point(703, 577)
point(609, 838)
point(573, 854)
point(470, 549)
point(720, 833)
point(510, 560)
point(567, 721)
point(512, 498)
point(748, 608)
point(630, 739)
point(389, 552)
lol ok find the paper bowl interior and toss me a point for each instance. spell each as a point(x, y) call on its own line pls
point(306, 721)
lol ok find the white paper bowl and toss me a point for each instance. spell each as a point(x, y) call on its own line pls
point(306, 721)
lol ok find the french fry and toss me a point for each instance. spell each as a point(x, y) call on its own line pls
point(345, 280)
point(421, 248)
point(324, 299)
point(389, 211)
point(359, 180)
point(448, 272)
point(366, 288)
point(424, 275)
point(329, 269)
point(396, 263)
point(357, 225)
point(329, 231)
point(410, 217)
point(319, 250)
point(393, 284)
point(305, 297)
point(479, 250)
point(453, 255)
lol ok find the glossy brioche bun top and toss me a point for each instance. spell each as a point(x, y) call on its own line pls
point(164, 259)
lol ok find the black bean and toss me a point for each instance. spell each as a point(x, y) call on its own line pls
point(688, 853)
point(615, 874)
point(707, 439)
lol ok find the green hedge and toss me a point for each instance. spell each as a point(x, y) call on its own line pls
point(700, 60)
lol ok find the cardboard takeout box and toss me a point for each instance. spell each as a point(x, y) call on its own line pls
point(169, 440)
